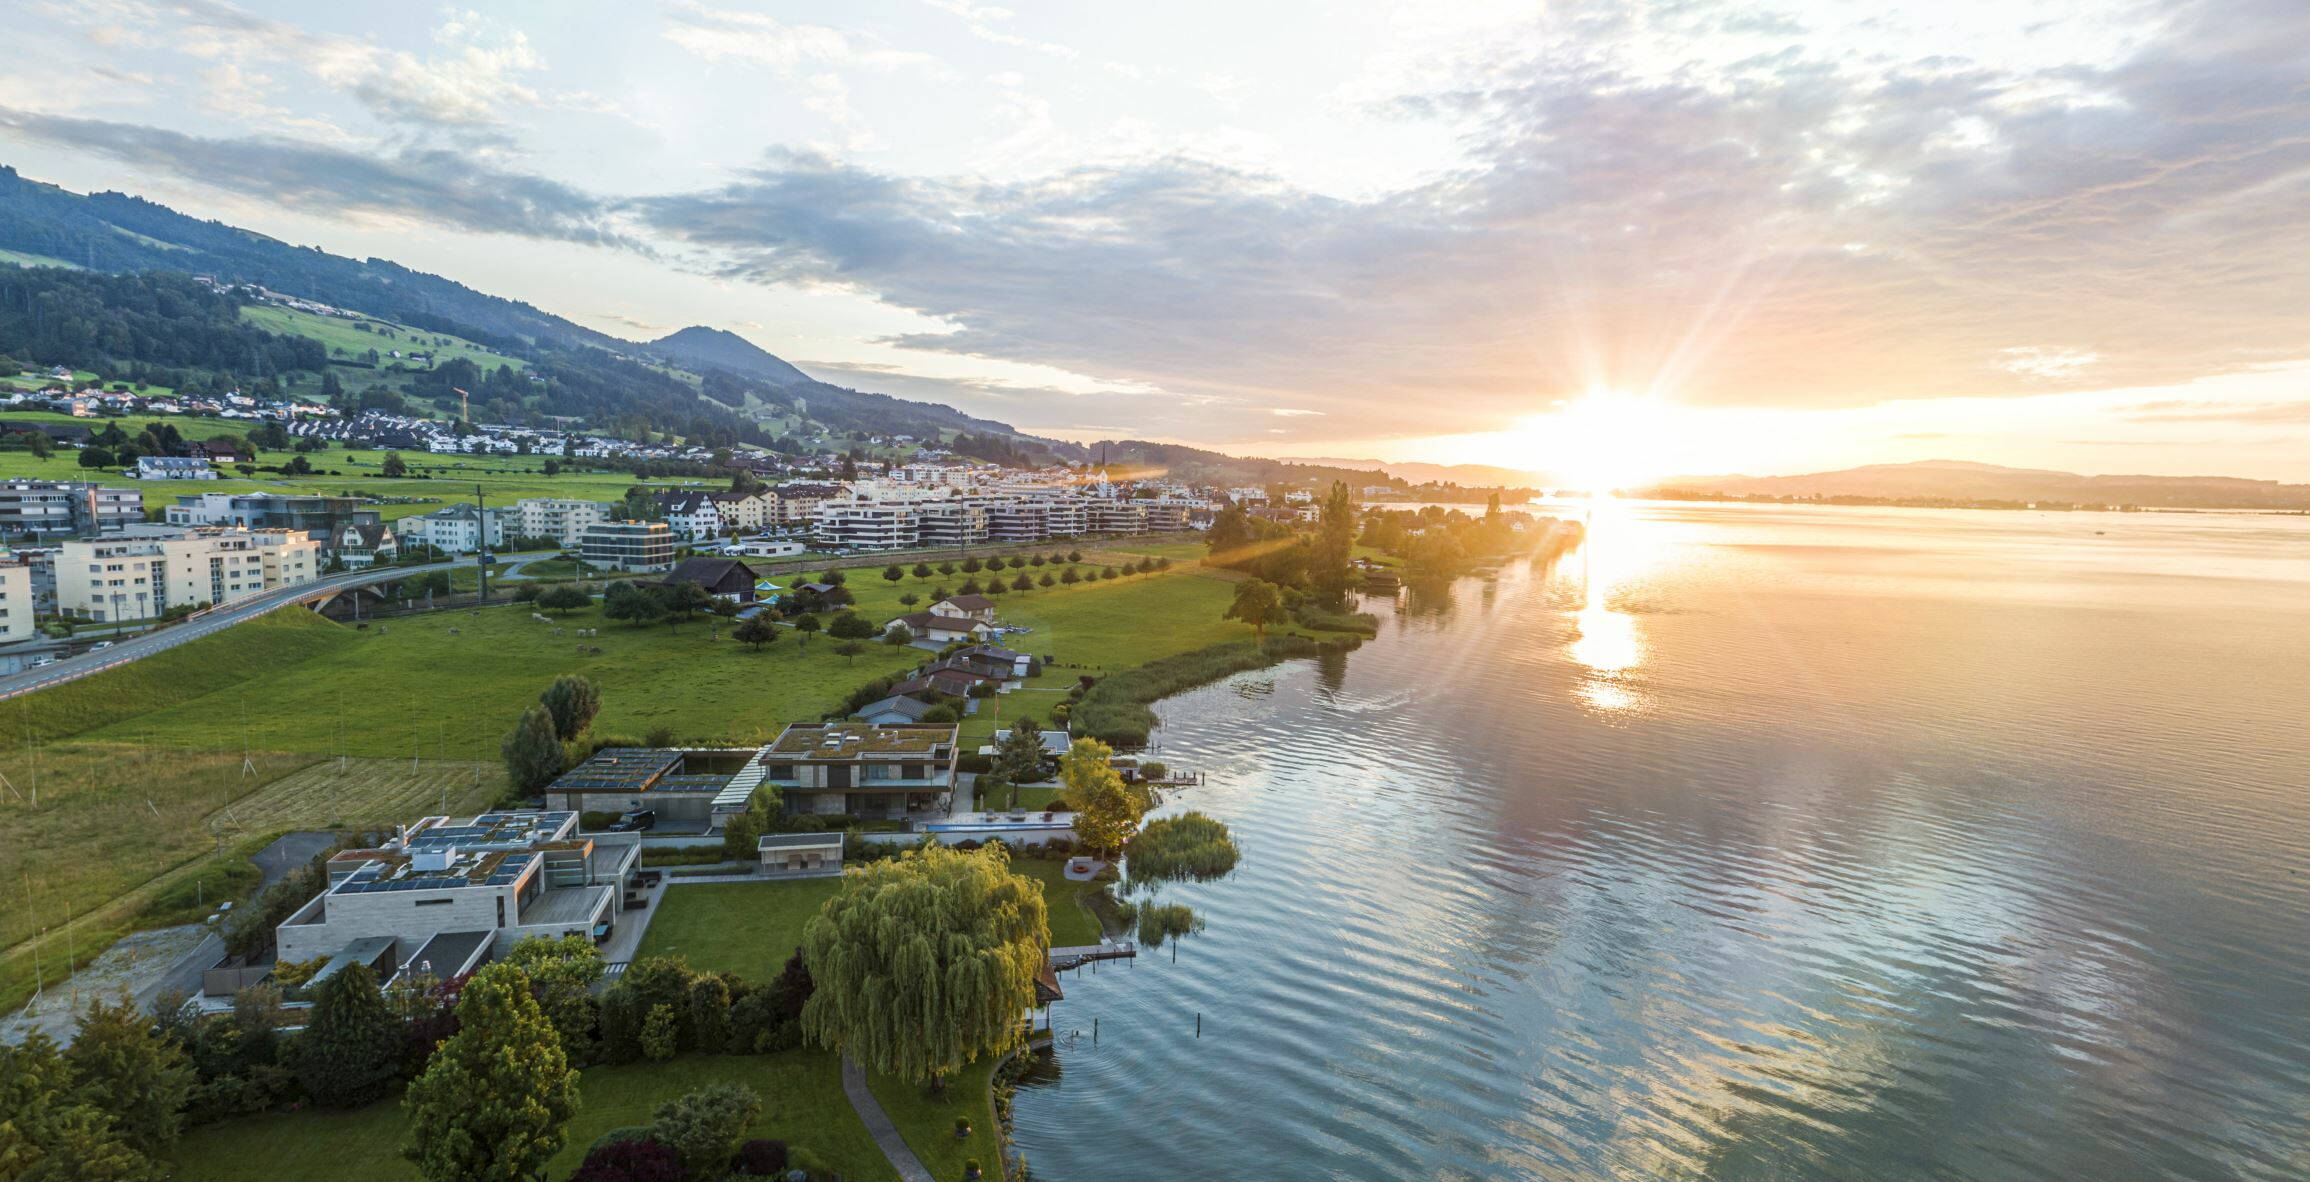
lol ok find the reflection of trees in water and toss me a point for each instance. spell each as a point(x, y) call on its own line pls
point(1040, 1068)
point(1428, 598)
point(1330, 671)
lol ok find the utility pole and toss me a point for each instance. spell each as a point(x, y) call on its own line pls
point(481, 537)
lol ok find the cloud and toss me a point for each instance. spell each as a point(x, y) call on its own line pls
point(731, 34)
point(2183, 411)
point(1683, 230)
point(436, 186)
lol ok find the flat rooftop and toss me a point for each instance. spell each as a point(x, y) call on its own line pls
point(490, 831)
point(564, 905)
point(850, 740)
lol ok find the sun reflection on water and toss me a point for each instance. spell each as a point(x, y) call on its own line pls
point(1607, 641)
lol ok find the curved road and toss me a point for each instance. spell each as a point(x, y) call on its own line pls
point(195, 627)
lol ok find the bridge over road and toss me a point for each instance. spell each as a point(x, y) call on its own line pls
point(214, 619)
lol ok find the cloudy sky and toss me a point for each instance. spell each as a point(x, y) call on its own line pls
point(2062, 233)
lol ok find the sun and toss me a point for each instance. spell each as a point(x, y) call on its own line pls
point(1605, 440)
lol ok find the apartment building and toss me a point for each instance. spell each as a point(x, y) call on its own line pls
point(951, 521)
point(629, 545)
point(56, 507)
point(797, 504)
point(866, 522)
point(444, 897)
point(457, 529)
point(319, 515)
point(559, 518)
point(139, 576)
point(19, 605)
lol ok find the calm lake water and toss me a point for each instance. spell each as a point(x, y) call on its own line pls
point(1753, 843)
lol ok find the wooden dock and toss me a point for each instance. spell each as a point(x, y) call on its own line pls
point(1079, 955)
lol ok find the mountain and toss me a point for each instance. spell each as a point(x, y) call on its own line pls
point(1960, 480)
point(699, 347)
point(1464, 475)
point(115, 232)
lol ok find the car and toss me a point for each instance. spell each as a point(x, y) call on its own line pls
point(635, 821)
point(43, 659)
point(101, 644)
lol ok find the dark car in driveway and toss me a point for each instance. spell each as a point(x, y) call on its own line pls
point(635, 821)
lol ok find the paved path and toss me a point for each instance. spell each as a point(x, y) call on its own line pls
point(902, 1159)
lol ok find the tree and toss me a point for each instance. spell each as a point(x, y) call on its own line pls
point(352, 1045)
point(971, 566)
point(661, 1034)
point(925, 961)
point(1069, 577)
point(95, 457)
point(573, 701)
point(909, 599)
point(947, 569)
point(703, 1127)
point(122, 1066)
point(494, 1103)
point(531, 750)
point(632, 605)
point(1334, 544)
point(1046, 580)
point(807, 625)
point(1074, 556)
point(921, 569)
point(49, 1132)
point(1107, 810)
point(681, 601)
point(563, 600)
point(629, 1161)
point(893, 572)
point(851, 626)
point(940, 592)
point(848, 650)
point(394, 465)
point(562, 974)
point(1021, 757)
point(1257, 601)
point(756, 631)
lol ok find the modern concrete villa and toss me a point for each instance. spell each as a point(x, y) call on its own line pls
point(859, 769)
point(443, 897)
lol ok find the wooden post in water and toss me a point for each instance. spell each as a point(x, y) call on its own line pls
point(1199, 1023)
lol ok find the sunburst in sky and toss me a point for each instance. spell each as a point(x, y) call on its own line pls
point(1795, 234)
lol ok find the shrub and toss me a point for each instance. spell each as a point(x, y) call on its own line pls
point(661, 1033)
point(703, 1127)
point(1116, 709)
point(1192, 846)
point(760, 1159)
point(638, 1160)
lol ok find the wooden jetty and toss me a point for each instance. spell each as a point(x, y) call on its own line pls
point(1079, 955)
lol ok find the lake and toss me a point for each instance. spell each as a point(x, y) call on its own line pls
point(1746, 842)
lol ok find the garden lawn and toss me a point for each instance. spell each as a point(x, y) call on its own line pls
point(1072, 924)
point(926, 1120)
point(802, 1104)
point(746, 928)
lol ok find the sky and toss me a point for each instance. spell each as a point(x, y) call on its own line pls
point(1772, 237)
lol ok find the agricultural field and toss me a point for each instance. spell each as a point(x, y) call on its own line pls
point(21, 259)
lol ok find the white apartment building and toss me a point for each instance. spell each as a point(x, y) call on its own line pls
point(139, 576)
point(797, 504)
point(556, 517)
point(67, 506)
point(19, 608)
point(458, 529)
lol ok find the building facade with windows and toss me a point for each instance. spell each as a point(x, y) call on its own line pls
point(19, 606)
point(138, 577)
point(629, 545)
point(57, 507)
point(562, 519)
point(457, 529)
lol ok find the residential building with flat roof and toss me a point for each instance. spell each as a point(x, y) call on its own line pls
point(560, 518)
point(19, 606)
point(137, 577)
point(456, 529)
point(629, 545)
point(862, 770)
point(485, 884)
point(57, 507)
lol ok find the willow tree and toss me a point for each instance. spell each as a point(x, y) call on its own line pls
point(926, 962)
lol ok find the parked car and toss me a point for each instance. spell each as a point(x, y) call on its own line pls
point(635, 821)
point(101, 644)
point(43, 659)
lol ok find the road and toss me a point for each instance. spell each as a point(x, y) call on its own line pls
point(213, 620)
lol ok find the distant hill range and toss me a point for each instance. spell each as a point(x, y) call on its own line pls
point(1464, 475)
point(1962, 481)
point(43, 224)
